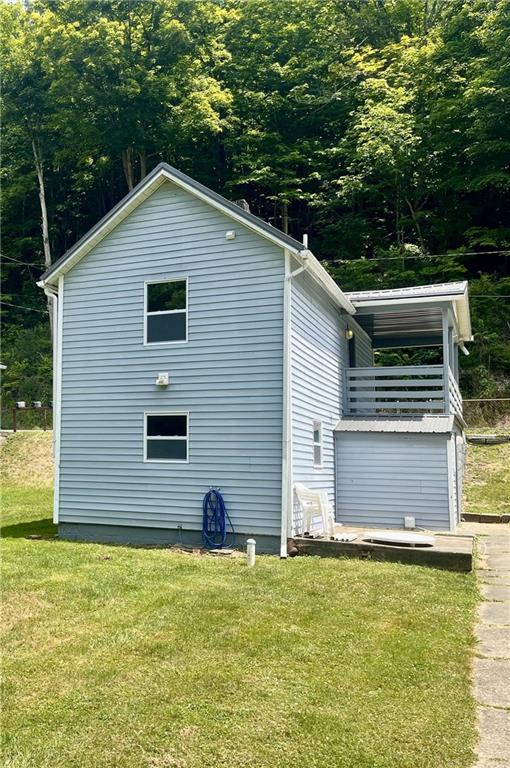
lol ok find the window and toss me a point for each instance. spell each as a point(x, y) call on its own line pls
point(166, 312)
point(166, 437)
point(317, 444)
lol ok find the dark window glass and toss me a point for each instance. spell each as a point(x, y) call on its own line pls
point(162, 297)
point(174, 450)
point(166, 426)
point(166, 327)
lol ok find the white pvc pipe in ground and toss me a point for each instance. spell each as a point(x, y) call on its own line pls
point(250, 553)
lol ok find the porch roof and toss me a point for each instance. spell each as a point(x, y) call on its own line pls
point(408, 317)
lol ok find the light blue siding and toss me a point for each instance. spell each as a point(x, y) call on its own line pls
point(228, 376)
point(382, 477)
point(318, 353)
point(364, 351)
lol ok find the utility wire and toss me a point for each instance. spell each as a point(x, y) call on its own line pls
point(20, 306)
point(23, 263)
point(369, 259)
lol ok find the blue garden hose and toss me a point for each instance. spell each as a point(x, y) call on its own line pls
point(214, 520)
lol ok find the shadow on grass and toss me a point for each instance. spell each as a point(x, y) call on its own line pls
point(44, 527)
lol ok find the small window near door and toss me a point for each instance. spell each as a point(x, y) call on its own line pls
point(166, 437)
point(166, 312)
point(317, 444)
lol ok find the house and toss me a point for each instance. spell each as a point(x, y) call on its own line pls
point(197, 346)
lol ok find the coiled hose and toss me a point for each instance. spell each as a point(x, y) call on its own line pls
point(214, 520)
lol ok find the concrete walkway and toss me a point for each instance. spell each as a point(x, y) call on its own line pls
point(491, 669)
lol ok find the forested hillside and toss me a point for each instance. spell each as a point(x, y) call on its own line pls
point(379, 127)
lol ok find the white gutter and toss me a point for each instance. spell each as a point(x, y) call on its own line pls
point(287, 486)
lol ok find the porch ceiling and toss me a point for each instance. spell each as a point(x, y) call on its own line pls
point(402, 328)
point(408, 317)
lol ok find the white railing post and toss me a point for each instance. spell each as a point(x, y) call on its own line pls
point(446, 361)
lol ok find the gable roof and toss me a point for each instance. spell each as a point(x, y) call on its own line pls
point(164, 172)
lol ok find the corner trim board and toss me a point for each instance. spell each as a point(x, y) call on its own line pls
point(57, 404)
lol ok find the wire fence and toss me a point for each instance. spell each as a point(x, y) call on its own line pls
point(482, 413)
point(17, 419)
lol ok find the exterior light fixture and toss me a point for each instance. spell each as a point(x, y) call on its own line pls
point(162, 380)
point(349, 333)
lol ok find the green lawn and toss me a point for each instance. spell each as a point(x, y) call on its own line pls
point(130, 658)
point(487, 486)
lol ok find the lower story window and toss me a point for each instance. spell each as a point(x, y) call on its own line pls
point(166, 436)
point(317, 444)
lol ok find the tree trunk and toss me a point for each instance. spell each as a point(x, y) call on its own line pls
point(416, 224)
point(285, 218)
point(44, 218)
point(143, 164)
point(127, 165)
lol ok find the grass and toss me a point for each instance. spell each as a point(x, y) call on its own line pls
point(116, 657)
point(487, 481)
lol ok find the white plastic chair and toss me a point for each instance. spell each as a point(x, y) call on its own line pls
point(318, 518)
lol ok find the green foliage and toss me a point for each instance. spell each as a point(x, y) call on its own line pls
point(381, 128)
point(28, 356)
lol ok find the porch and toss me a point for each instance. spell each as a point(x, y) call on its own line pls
point(418, 317)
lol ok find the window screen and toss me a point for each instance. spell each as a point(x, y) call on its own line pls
point(167, 309)
point(166, 437)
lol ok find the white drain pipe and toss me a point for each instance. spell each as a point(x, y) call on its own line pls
point(250, 553)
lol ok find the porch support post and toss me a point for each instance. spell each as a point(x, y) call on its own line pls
point(446, 359)
point(456, 362)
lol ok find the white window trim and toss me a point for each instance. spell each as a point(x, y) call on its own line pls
point(146, 437)
point(317, 423)
point(163, 312)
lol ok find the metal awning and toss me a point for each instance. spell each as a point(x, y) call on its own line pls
point(412, 317)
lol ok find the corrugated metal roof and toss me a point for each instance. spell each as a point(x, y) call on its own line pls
point(413, 292)
point(430, 424)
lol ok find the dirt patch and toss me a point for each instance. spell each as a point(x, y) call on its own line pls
point(27, 459)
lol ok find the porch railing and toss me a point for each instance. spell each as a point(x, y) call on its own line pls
point(403, 389)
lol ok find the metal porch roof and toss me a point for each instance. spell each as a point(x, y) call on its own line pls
point(412, 316)
point(429, 424)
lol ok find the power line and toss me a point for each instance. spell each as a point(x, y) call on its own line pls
point(23, 263)
point(20, 306)
point(369, 259)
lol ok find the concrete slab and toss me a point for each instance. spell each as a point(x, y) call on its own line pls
point(496, 545)
point(497, 592)
point(494, 728)
point(493, 577)
point(493, 641)
point(484, 529)
point(449, 551)
point(494, 613)
point(498, 562)
point(491, 679)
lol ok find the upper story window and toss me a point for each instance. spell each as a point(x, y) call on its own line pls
point(166, 311)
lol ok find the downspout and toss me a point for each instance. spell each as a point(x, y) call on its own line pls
point(53, 294)
point(287, 493)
